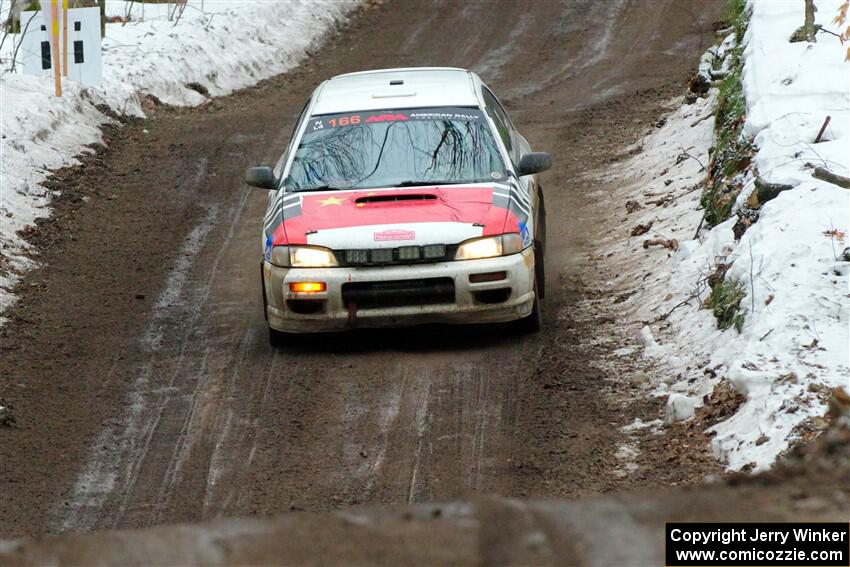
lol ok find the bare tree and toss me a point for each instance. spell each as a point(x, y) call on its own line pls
point(13, 22)
point(809, 30)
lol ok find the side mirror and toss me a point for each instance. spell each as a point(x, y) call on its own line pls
point(262, 177)
point(534, 162)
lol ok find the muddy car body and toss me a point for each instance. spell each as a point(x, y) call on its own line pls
point(406, 196)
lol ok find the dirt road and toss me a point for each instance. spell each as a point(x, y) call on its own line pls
point(627, 529)
point(137, 363)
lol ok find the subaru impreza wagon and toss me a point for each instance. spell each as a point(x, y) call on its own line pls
point(405, 196)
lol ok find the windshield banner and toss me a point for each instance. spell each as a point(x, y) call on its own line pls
point(323, 121)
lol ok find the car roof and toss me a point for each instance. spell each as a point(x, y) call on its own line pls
point(414, 87)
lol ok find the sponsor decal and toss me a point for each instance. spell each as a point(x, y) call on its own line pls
point(321, 122)
point(525, 233)
point(267, 249)
point(387, 118)
point(331, 201)
point(446, 115)
point(395, 234)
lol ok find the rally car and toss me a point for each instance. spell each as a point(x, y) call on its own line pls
point(406, 196)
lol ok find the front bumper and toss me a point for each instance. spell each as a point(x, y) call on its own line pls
point(335, 314)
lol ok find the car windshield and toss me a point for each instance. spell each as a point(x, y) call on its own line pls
point(395, 148)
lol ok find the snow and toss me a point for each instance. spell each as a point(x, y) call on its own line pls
point(223, 45)
point(638, 424)
point(794, 346)
point(679, 408)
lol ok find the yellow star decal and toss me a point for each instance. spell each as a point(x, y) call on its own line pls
point(331, 201)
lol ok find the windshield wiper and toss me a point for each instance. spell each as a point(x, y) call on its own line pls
point(423, 183)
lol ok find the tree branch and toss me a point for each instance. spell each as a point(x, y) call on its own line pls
point(825, 175)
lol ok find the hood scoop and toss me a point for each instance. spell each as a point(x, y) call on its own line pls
point(389, 198)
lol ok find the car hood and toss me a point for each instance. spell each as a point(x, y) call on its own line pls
point(387, 218)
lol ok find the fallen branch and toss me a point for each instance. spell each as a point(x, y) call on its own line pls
point(699, 226)
point(823, 29)
point(663, 201)
point(693, 188)
point(825, 175)
point(822, 128)
point(669, 243)
point(685, 155)
point(641, 229)
point(680, 304)
point(706, 117)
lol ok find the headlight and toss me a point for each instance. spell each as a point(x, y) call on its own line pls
point(303, 257)
point(489, 247)
point(311, 257)
point(280, 256)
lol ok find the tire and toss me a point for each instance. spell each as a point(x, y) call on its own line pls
point(539, 271)
point(263, 292)
point(533, 322)
point(277, 339)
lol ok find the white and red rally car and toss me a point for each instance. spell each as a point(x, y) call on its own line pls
point(406, 196)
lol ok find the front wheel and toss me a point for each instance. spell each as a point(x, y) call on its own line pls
point(277, 339)
point(533, 322)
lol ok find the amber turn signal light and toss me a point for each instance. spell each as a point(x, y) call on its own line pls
point(307, 287)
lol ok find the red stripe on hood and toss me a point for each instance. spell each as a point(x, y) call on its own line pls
point(339, 209)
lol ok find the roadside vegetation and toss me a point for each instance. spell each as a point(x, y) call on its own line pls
point(731, 153)
point(725, 303)
point(729, 158)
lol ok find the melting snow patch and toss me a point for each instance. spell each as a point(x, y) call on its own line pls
point(679, 408)
point(638, 425)
point(627, 454)
point(651, 348)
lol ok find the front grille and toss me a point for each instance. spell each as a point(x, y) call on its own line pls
point(389, 256)
point(399, 293)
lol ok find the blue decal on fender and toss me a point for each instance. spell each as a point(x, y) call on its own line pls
point(267, 249)
point(523, 231)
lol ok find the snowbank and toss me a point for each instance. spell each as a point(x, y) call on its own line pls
point(222, 45)
point(794, 345)
point(795, 342)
